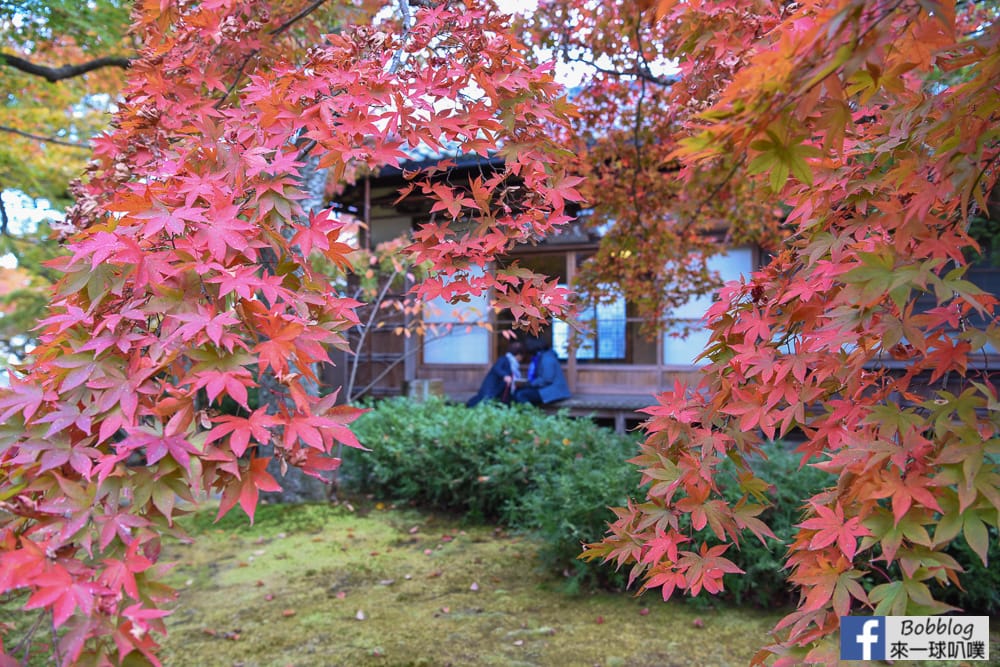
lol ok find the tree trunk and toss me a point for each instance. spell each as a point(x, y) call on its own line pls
point(296, 487)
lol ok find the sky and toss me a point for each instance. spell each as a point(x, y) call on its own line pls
point(24, 213)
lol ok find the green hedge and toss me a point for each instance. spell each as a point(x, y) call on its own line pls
point(556, 477)
point(552, 475)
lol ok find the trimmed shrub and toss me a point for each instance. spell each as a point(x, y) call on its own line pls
point(552, 475)
point(764, 583)
point(557, 477)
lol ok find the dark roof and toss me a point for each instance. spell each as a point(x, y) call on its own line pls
point(392, 177)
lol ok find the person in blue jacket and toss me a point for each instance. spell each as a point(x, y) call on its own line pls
point(546, 382)
point(499, 383)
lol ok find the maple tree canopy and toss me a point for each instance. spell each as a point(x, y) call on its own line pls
point(874, 126)
point(191, 275)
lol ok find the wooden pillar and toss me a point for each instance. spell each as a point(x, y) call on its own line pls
point(571, 371)
point(410, 343)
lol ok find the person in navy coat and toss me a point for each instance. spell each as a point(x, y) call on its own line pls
point(546, 382)
point(499, 383)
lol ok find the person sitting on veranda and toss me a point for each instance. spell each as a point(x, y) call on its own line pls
point(499, 383)
point(545, 383)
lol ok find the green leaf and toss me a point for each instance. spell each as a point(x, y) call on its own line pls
point(889, 599)
point(800, 168)
point(947, 528)
point(976, 535)
point(163, 499)
point(762, 162)
point(779, 174)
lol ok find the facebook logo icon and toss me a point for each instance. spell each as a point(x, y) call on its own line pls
point(862, 637)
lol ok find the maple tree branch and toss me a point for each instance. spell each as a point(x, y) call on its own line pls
point(53, 74)
point(389, 368)
point(25, 643)
point(637, 129)
point(397, 58)
point(236, 79)
point(305, 150)
point(975, 183)
point(57, 658)
point(641, 73)
point(712, 195)
point(39, 137)
point(306, 11)
point(298, 17)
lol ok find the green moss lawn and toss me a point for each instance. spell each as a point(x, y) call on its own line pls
point(325, 586)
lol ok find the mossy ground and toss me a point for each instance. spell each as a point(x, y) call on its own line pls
point(430, 591)
point(294, 589)
point(328, 586)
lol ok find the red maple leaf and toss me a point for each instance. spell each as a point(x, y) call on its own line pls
point(706, 568)
point(242, 429)
point(245, 490)
point(831, 526)
point(58, 590)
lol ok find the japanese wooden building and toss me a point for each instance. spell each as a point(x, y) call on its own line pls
point(612, 372)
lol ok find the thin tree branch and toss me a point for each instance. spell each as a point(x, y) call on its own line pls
point(53, 74)
point(39, 137)
point(642, 73)
point(236, 79)
point(309, 9)
point(57, 659)
point(637, 129)
point(298, 17)
point(388, 369)
point(397, 58)
point(25, 643)
point(305, 150)
point(364, 332)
